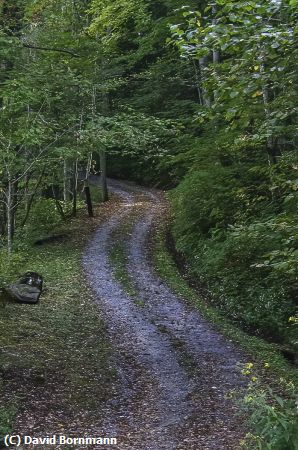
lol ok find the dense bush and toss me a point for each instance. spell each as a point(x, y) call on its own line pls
point(241, 238)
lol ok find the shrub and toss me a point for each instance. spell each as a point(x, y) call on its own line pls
point(273, 419)
point(248, 261)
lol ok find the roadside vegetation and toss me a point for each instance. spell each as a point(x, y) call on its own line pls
point(55, 357)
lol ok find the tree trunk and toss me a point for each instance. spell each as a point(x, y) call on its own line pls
point(216, 56)
point(10, 216)
point(88, 200)
point(75, 189)
point(88, 168)
point(198, 82)
point(58, 204)
point(87, 188)
point(3, 220)
point(103, 175)
point(65, 181)
point(29, 200)
point(15, 201)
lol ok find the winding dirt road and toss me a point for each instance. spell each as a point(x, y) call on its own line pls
point(174, 370)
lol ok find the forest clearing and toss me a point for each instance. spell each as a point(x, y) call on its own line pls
point(148, 225)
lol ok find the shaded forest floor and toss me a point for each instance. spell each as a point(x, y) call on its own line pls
point(55, 358)
point(144, 366)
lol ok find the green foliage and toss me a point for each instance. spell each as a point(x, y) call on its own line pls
point(129, 131)
point(131, 139)
point(235, 212)
point(247, 255)
point(273, 418)
point(7, 415)
point(9, 267)
point(111, 21)
point(43, 220)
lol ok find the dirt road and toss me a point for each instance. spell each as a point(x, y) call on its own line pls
point(174, 369)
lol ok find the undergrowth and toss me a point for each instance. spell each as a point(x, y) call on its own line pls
point(59, 344)
point(237, 228)
point(273, 417)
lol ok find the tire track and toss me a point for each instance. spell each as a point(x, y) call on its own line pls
point(158, 405)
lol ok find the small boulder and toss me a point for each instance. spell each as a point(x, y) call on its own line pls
point(27, 289)
point(32, 279)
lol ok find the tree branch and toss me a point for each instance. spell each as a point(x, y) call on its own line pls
point(49, 49)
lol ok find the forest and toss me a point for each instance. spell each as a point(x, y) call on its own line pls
point(194, 102)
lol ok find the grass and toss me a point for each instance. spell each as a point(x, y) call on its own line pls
point(60, 344)
point(257, 350)
point(7, 415)
point(118, 259)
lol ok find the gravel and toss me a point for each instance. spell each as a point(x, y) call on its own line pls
point(174, 370)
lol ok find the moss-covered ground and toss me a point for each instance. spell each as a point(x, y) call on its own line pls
point(55, 368)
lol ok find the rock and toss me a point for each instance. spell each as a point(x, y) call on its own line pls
point(27, 289)
point(32, 279)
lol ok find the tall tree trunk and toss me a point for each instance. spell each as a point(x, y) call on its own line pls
point(89, 164)
point(29, 200)
point(198, 82)
point(3, 220)
point(103, 175)
point(10, 216)
point(26, 189)
point(75, 189)
point(88, 199)
point(58, 204)
point(65, 181)
point(106, 110)
point(87, 187)
point(15, 201)
point(215, 55)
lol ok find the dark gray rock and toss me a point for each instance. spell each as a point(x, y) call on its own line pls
point(27, 289)
point(32, 279)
